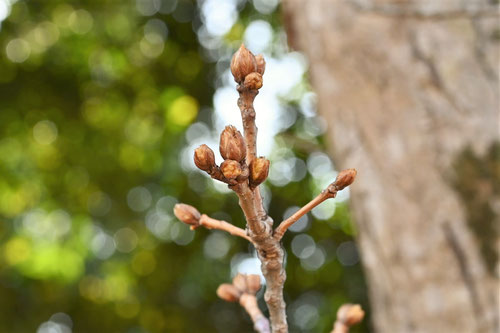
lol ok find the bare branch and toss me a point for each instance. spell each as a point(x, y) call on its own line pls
point(210, 223)
point(344, 179)
point(190, 215)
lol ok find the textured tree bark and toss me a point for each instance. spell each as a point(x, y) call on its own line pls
point(405, 88)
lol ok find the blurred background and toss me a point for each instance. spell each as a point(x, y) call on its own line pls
point(102, 103)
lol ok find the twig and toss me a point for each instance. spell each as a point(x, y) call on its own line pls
point(243, 171)
point(243, 289)
point(247, 71)
point(211, 223)
point(249, 303)
point(344, 179)
point(191, 216)
point(245, 103)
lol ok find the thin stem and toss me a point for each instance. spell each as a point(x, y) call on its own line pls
point(270, 252)
point(340, 327)
point(247, 204)
point(210, 223)
point(245, 103)
point(328, 193)
point(260, 322)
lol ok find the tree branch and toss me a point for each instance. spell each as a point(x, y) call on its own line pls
point(211, 223)
point(245, 103)
point(344, 179)
point(191, 216)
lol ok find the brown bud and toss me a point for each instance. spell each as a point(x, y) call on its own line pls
point(240, 282)
point(228, 292)
point(242, 64)
point(345, 178)
point(253, 283)
point(230, 169)
point(204, 158)
point(187, 214)
point(232, 145)
point(259, 169)
point(261, 64)
point(350, 314)
point(253, 81)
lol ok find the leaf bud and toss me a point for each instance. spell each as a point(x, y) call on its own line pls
point(242, 64)
point(253, 81)
point(228, 292)
point(231, 169)
point(345, 178)
point(187, 214)
point(350, 314)
point(204, 158)
point(261, 64)
point(232, 145)
point(240, 282)
point(253, 283)
point(259, 169)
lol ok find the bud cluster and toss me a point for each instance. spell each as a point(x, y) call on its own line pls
point(248, 69)
point(242, 284)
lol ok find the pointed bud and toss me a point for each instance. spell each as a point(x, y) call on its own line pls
point(345, 178)
point(253, 81)
point(228, 292)
point(240, 282)
point(204, 158)
point(350, 314)
point(253, 283)
point(232, 145)
point(187, 214)
point(259, 169)
point(242, 64)
point(261, 64)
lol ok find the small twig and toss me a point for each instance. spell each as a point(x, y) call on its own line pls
point(211, 223)
point(243, 289)
point(344, 179)
point(190, 215)
point(249, 303)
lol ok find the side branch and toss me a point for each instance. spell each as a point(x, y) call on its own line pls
point(210, 223)
point(190, 215)
point(243, 290)
point(344, 179)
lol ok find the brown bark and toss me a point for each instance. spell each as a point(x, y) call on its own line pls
point(405, 87)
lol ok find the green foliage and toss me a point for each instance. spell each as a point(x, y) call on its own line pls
point(95, 99)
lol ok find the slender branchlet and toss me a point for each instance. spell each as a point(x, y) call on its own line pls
point(243, 171)
point(243, 290)
point(347, 316)
point(344, 179)
point(190, 215)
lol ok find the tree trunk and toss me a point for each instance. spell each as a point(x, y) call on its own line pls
point(410, 93)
